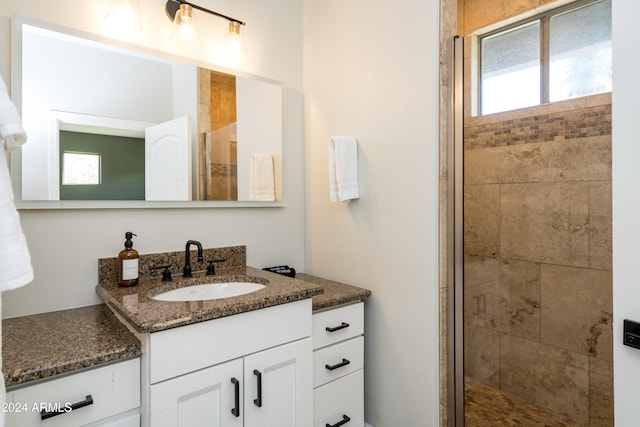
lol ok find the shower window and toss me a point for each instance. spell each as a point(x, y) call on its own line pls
point(557, 55)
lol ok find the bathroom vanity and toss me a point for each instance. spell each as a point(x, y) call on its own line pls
point(71, 368)
point(288, 354)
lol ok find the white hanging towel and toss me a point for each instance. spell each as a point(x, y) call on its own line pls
point(261, 181)
point(343, 169)
point(15, 262)
point(11, 130)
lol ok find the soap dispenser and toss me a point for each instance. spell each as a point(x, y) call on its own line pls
point(128, 263)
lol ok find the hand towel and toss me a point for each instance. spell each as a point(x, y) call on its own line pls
point(262, 182)
point(11, 130)
point(343, 169)
point(15, 261)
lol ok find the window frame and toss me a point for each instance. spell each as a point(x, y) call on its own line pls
point(544, 18)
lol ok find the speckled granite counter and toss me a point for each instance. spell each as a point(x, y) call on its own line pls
point(43, 345)
point(145, 315)
point(334, 293)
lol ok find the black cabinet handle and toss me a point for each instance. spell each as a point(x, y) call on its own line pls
point(88, 400)
point(342, 422)
point(236, 385)
point(337, 328)
point(258, 401)
point(344, 362)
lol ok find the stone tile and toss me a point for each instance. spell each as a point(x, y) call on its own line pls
point(508, 164)
point(577, 309)
point(580, 159)
point(482, 355)
point(480, 13)
point(510, 303)
point(480, 270)
point(485, 406)
point(600, 393)
point(600, 223)
point(546, 376)
point(481, 219)
point(545, 222)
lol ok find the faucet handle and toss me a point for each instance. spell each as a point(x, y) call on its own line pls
point(211, 269)
point(166, 274)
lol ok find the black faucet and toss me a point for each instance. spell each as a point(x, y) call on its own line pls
point(186, 272)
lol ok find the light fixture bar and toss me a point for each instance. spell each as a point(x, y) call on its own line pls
point(173, 6)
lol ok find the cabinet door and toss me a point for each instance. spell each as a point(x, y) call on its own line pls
point(210, 397)
point(279, 386)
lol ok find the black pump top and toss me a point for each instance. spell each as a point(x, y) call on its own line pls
point(128, 243)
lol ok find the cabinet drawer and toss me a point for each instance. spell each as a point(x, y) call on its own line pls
point(339, 324)
point(333, 362)
point(178, 351)
point(111, 389)
point(340, 400)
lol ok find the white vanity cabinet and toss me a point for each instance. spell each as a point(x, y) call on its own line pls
point(250, 369)
point(107, 396)
point(338, 366)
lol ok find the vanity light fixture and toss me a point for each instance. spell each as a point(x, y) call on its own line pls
point(181, 14)
point(125, 15)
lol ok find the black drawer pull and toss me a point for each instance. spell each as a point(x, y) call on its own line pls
point(337, 328)
point(236, 385)
point(344, 362)
point(342, 422)
point(88, 400)
point(258, 401)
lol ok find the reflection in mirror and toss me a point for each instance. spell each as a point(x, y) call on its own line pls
point(156, 129)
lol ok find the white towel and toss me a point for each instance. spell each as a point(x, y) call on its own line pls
point(343, 169)
point(261, 182)
point(11, 130)
point(15, 262)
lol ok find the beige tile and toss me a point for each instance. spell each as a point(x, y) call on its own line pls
point(481, 219)
point(600, 393)
point(551, 378)
point(480, 270)
point(516, 163)
point(480, 13)
point(577, 307)
point(510, 303)
point(600, 223)
point(580, 159)
point(545, 223)
point(481, 355)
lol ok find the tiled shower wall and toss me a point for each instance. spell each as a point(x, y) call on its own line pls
point(538, 279)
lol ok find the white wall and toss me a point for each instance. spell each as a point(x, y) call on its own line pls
point(626, 206)
point(371, 71)
point(65, 244)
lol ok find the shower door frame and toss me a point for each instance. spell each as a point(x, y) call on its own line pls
point(455, 154)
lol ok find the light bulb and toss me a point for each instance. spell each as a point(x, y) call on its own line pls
point(233, 43)
point(184, 23)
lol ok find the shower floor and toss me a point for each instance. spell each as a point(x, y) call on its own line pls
point(488, 407)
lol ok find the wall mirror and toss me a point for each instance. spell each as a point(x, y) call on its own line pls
point(110, 126)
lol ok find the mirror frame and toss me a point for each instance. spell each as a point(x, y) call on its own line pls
point(15, 161)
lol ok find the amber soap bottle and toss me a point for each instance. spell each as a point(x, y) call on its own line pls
point(128, 263)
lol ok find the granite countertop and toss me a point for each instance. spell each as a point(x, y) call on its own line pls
point(42, 345)
point(334, 293)
point(146, 315)
point(39, 346)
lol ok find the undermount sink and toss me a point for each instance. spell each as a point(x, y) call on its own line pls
point(209, 291)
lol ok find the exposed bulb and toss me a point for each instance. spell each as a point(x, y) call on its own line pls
point(233, 44)
point(184, 22)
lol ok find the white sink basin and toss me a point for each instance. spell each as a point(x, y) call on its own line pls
point(209, 291)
